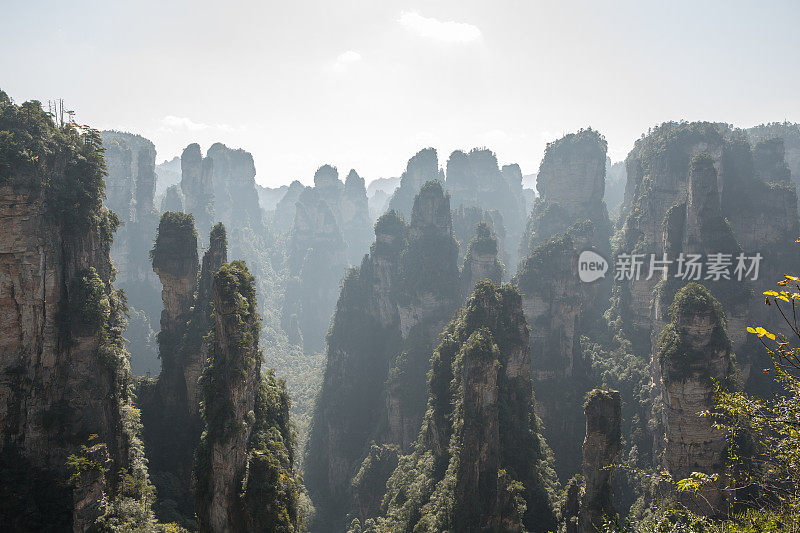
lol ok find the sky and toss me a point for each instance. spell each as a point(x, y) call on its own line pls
point(367, 84)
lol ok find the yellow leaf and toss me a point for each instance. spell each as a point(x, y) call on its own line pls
point(770, 293)
point(793, 278)
point(750, 330)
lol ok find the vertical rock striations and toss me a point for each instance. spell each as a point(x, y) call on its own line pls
point(477, 462)
point(198, 187)
point(131, 185)
point(233, 179)
point(658, 178)
point(169, 411)
point(558, 307)
point(571, 184)
point(693, 351)
point(600, 448)
point(244, 464)
point(64, 376)
point(389, 313)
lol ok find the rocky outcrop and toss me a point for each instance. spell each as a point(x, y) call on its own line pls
point(789, 133)
point(571, 185)
point(421, 168)
point(356, 223)
point(285, 210)
point(769, 160)
point(475, 179)
point(658, 178)
point(198, 187)
point(466, 219)
point(244, 463)
point(316, 262)
point(131, 183)
point(481, 260)
point(427, 295)
point(170, 412)
point(389, 313)
point(63, 369)
point(558, 306)
point(694, 351)
point(173, 200)
point(479, 438)
point(600, 448)
point(330, 230)
point(233, 178)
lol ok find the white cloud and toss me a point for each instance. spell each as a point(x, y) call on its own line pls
point(348, 57)
point(345, 59)
point(448, 31)
point(173, 123)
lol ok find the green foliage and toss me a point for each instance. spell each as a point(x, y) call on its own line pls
point(270, 489)
point(64, 161)
point(176, 243)
point(421, 493)
point(89, 307)
point(675, 351)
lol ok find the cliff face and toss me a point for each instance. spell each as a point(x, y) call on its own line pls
point(466, 219)
point(356, 221)
point(481, 260)
point(658, 178)
point(169, 406)
point(571, 184)
point(330, 231)
point(479, 434)
point(475, 179)
point(697, 226)
point(285, 210)
point(173, 200)
point(388, 315)
point(789, 134)
point(428, 293)
point(244, 463)
point(63, 369)
point(558, 307)
point(316, 262)
point(421, 168)
point(693, 350)
point(600, 448)
point(131, 182)
point(235, 196)
point(198, 187)
point(769, 160)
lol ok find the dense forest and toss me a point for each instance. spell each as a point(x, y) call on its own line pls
point(183, 349)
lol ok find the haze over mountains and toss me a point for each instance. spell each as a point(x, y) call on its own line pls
point(399, 267)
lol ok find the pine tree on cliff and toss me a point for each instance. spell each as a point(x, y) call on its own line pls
point(244, 475)
point(479, 461)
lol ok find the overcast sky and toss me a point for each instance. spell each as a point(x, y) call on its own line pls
point(367, 84)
